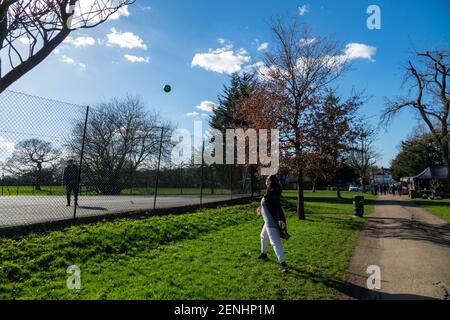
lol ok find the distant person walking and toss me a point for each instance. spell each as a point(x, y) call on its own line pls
point(70, 180)
point(274, 227)
point(400, 189)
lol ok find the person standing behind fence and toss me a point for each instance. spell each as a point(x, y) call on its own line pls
point(70, 180)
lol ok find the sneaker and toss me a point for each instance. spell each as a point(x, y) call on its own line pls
point(284, 267)
point(263, 257)
point(68, 205)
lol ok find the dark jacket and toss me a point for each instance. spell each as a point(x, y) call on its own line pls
point(70, 176)
point(273, 203)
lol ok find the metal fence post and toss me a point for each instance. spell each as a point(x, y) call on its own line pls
point(157, 170)
point(201, 180)
point(181, 178)
point(231, 181)
point(252, 173)
point(81, 161)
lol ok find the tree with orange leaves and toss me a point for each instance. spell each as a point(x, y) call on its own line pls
point(331, 135)
point(291, 80)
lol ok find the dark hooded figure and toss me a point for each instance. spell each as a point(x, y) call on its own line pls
point(274, 228)
point(70, 180)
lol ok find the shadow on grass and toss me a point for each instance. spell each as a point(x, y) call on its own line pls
point(432, 203)
point(292, 206)
point(331, 200)
point(352, 291)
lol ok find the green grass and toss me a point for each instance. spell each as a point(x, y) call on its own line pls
point(440, 208)
point(60, 190)
point(208, 254)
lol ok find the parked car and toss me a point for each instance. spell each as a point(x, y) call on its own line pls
point(342, 187)
point(354, 188)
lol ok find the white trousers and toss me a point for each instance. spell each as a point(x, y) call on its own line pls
point(272, 235)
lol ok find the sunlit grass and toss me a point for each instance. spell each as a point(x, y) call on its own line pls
point(208, 254)
point(440, 208)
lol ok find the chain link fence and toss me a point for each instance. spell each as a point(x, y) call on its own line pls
point(49, 149)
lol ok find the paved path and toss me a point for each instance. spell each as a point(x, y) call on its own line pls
point(23, 210)
point(412, 249)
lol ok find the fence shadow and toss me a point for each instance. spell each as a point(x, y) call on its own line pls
point(92, 208)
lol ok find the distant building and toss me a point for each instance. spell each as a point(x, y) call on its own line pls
point(422, 180)
point(383, 176)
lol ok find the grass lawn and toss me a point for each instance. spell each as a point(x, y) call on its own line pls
point(208, 254)
point(440, 208)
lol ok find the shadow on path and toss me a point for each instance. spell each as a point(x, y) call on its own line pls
point(407, 228)
point(352, 291)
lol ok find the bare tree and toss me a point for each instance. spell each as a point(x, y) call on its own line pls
point(294, 76)
point(362, 154)
point(331, 133)
point(31, 29)
point(32, 155)
point(121, 138)
point(428, 95)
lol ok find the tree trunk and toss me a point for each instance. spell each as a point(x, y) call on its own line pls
point(362, 180)
point(314, 185)
point(300, 196)
point(338, 191)
point(38, 177)
point(445, 152)
point(211, 178)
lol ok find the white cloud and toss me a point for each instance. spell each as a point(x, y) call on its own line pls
point(263, 72)
point(25, 40)
point(122, 12)
point(352, 51)
point(263, 46)
point(146, 8)
point(68, 60)
point(6, 148)
point(125, 40)
point(227, 45)
point(302, 10)
point(207, 106)
point(94, 11)
point(136, 59)
point(222, 60)
point(359, 51)
point(307, 42)
point(81, 41)
point(196, 115)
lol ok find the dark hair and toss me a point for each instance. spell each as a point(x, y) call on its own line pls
point(274, 184)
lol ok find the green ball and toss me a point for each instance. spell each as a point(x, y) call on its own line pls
point(167, 88)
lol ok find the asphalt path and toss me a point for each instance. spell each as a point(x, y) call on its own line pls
point(26, 210)
point(411, 248)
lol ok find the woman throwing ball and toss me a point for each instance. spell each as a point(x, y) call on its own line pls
point(274, 222)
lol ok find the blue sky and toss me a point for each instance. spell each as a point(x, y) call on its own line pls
point(163, 37)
